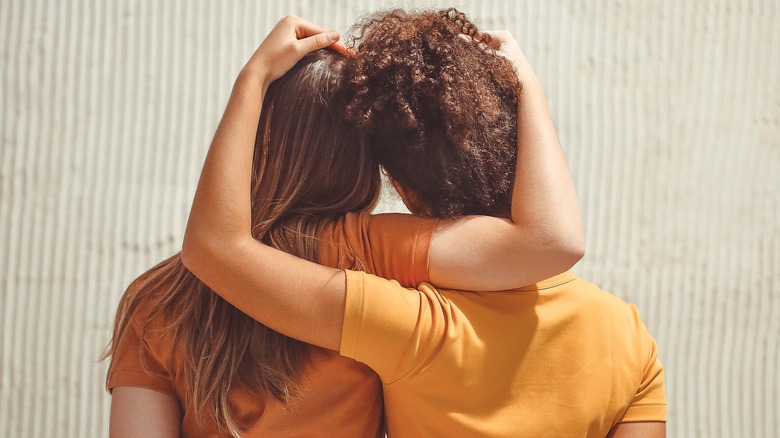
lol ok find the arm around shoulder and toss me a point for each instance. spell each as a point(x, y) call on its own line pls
point(295, 297)
point(545, 235)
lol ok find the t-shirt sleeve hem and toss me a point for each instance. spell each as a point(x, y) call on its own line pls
point(422, 252)
point(643, 413)
point(353, 313)
point(139, 379)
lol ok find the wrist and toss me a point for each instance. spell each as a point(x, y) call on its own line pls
point(255, 74)
point(527, 77)
point(532, 88)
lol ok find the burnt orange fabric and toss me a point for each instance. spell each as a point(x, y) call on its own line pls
point(340, 397)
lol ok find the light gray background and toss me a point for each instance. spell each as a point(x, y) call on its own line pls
point(669, 114)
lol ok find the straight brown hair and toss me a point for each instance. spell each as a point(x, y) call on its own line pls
point(308, 169)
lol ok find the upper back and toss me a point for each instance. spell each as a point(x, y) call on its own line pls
point(559, 358)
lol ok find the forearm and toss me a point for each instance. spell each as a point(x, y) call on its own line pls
point(220, 250)
point(544, 235)
point(221, 208)
point(288, 294)
point(293, 296)
point(544, 199)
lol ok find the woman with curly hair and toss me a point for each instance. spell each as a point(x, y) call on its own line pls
point(556, 358)
point(186, 362)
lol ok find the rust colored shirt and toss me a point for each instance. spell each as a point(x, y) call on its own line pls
point(340, 397)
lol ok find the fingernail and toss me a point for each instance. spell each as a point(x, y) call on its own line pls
point(333, 35)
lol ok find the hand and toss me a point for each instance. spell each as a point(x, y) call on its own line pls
point(289, 41)
point(510, 49)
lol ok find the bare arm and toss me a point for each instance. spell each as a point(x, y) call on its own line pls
point(545, 235)
point(293, 296)
point(144, 412)
point(651, 429)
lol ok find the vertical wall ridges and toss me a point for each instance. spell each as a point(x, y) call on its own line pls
point(667, 111)
point(8, 47)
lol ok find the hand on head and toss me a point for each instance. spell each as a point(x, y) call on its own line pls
point(509, 48)
point(289, 41)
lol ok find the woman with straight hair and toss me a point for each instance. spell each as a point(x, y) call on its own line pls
point(185, 362)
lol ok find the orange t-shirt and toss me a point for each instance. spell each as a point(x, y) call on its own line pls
point(340, 397)
point(559, 358)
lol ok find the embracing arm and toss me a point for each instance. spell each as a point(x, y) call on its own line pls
point(298, 298)
point(545, 234)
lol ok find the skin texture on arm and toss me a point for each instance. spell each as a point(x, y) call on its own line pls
point(545, 234)
point(137, 412)
point(654, 429)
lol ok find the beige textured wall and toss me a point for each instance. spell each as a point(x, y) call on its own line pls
point(668, 111)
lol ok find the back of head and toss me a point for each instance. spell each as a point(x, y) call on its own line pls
point(307, 158)
point(438, 110)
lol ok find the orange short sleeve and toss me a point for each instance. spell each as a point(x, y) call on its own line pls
point(388, 245)
point(134, 363)
point(649, 403)
point(389, 328)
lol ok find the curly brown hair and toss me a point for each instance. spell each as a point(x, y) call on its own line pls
point(438, 110)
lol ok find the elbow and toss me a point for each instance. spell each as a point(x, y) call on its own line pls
point(572, 252)
point(188, 251)
point(196, 253)
point(203, 253)
point(576, 248)
point(565, 251)
point(568, 241)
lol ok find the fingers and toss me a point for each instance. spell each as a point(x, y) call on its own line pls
point(340, 48)
point(312, 37)
point(318, 41)
point(471, 39)
point(304, 28)
point(500, 35)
